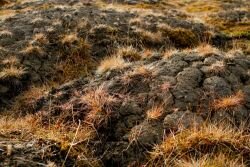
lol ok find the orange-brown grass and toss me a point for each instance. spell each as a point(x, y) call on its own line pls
point(234, 51)
point(12, 72)
point(226, 103)
point(41, 38)
point(169, 52)
point(104, 28)
point(33, 50)
point(99, 101)
point(77, 63)
point(149, 37)
point(206, 50)
point(69, 38)
point(135, 21)
point(30, 128)
point(6, 13)
point(83, 24)
point(241, 44)
point(179, 36)
point(111, 63)
point(129, 53)
point(155, 112)
point(11, 60)
point(163, 27)
point(147, 53)
point(208, 138)
point(220, 160)
point(29, 97)
point(143, 70)
point(203, 6)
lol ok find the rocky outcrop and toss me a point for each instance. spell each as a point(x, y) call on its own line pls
point(37, 38)
point(137, 107)
point(164, 81)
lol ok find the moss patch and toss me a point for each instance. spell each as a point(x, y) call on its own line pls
point(181, 37)
point(242, 44)
point(202, 6)
point(238, 31)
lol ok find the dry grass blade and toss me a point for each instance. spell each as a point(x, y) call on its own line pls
point(99, 101)
point(209, 160)
point(12, 71)
point(129, 53)
point(72, 143)
point(111, 63)
point(229, 102)
point(155, 112)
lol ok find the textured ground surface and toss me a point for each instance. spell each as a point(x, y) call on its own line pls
point(173, 65)
point(184, 85)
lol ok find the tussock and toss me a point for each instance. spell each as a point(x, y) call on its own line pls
point(129, 53)
point(207, 139)
point(111, 63)
point(227, 103)
point(12, 72)
point(99, 102)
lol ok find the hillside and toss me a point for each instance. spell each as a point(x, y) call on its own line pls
point(125, 83)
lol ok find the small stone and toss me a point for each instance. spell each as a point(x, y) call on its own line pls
point(3, 89)
point(217, 85)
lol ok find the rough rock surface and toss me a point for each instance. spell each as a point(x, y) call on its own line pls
point(130, 109)
point(183, 89)
point(43, 58)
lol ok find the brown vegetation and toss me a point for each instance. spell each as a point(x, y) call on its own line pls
point(198, 141)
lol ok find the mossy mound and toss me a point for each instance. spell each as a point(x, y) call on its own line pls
point(181, 38)
point(134, 106)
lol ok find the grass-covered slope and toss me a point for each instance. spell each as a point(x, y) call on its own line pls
point(124, 83)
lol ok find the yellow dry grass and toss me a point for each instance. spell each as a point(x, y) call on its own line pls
point(169, 52)
point(147, 53)
point(220, 160)
point(12, 72)
point(149, 37)
point(41, 38)
point(206, 50)
point(29, 98)
point(155, 112)
point(7, 13)
point(203, 6)
point(33, 50)
point(129, 53)
point(11, 60)
point(111, 63)
point(99, 101)
point(71, 139)
point(208, 138)
point(69, 38)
